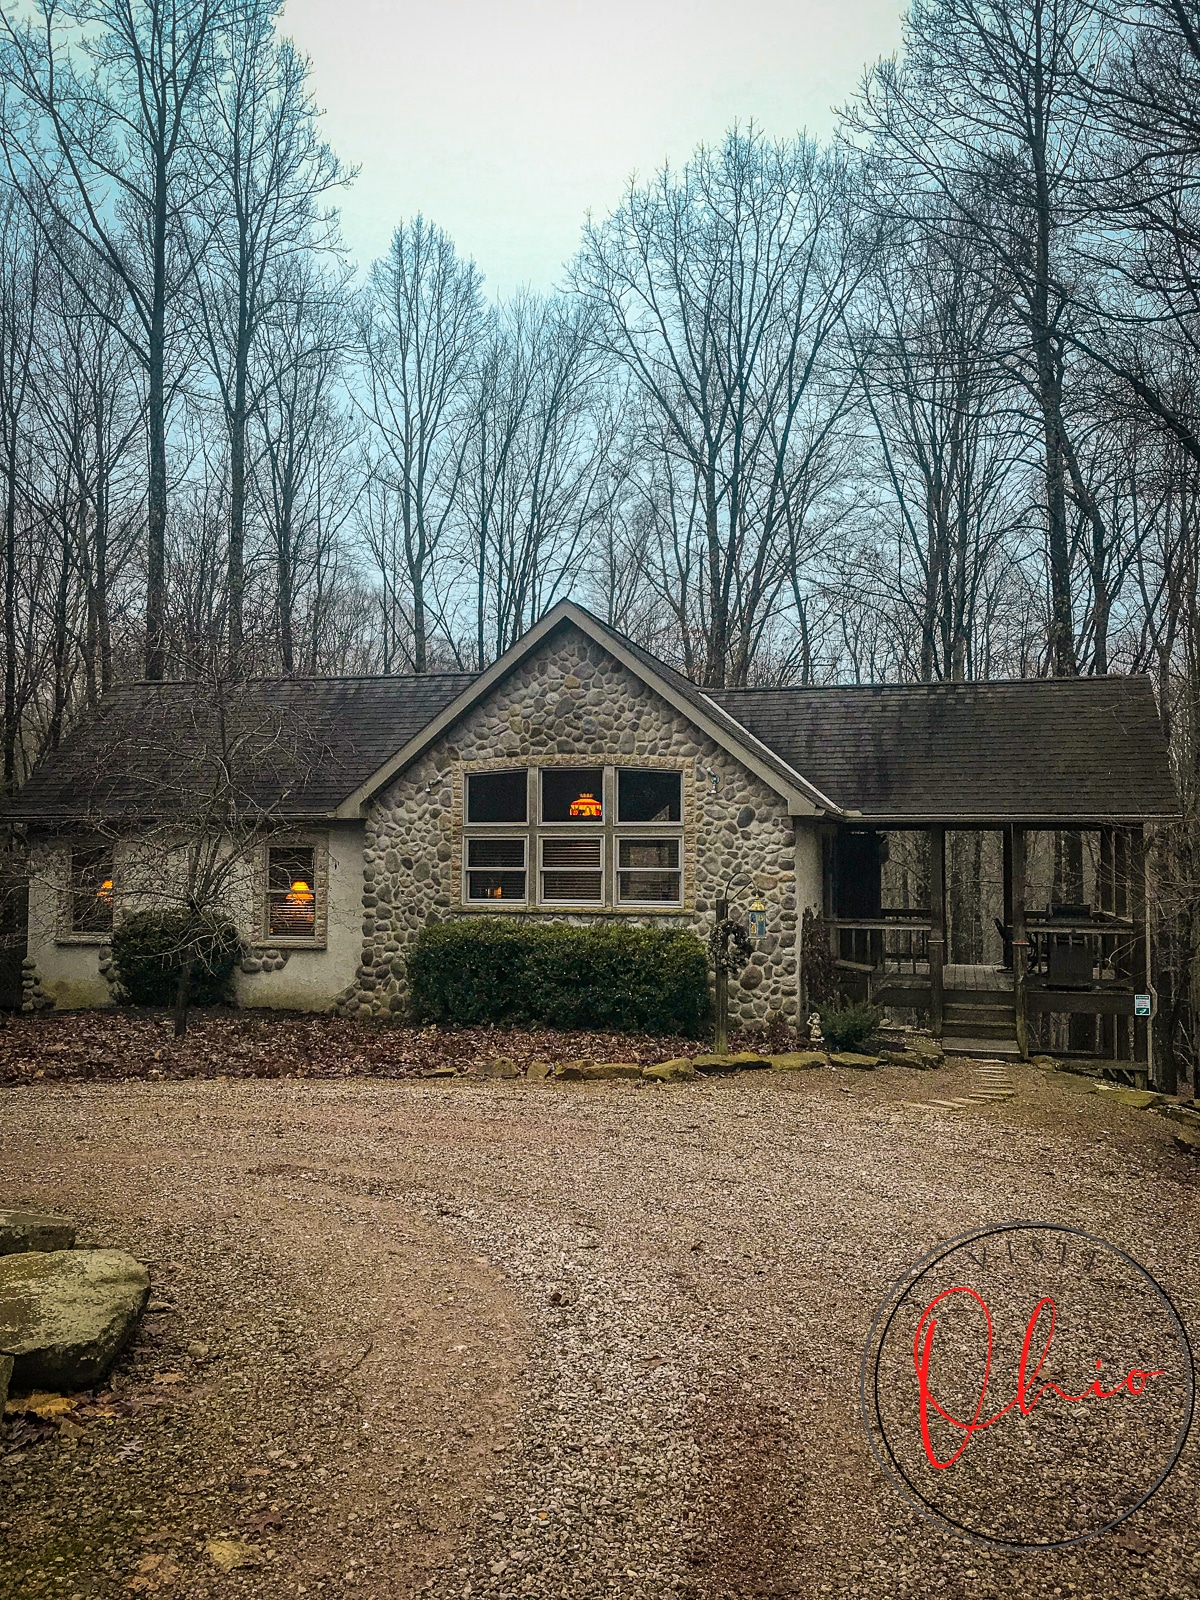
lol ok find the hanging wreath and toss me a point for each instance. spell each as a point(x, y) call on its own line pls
point(729, 945)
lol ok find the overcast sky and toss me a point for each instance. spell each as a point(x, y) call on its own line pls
point(506, 121)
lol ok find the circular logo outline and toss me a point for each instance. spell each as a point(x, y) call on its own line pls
point(908, 1491)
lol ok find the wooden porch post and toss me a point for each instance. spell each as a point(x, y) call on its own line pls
point(1020, 939)
point(1140, 963)
point(937, 929)
point(1008, 895)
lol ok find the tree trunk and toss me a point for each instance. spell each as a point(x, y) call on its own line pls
point(156, 509)
point(183, 990)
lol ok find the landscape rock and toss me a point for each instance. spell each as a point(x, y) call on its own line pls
point(21, 1231)
point(591, 1071)
point(797, 1061)
point(676, 1070)
point(920, 1060)
point(1137, 1099)
point(851, 1058)
point(1046, 1063)
point(440, 1072)
point(539, 1069)
point(6, 1371)
point(738, 1061)
point(66, 1315)
point(502, 1068)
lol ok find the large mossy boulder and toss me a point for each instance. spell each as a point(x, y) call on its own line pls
point(66, 1315)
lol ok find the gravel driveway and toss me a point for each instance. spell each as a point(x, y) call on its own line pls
point(500, 1339)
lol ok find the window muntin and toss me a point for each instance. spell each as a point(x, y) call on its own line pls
point(572, 871)
point(291, 892)
point(648, 794)
point(91, 892)
point(497, 796)
point(573, 794)
point(649, 872)
point(495, 870)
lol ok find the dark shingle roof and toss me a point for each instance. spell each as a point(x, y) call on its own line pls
point(314, 741)
point(1037, 748)
point(1044, 748)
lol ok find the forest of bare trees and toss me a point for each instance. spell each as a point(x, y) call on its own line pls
point(918, 402)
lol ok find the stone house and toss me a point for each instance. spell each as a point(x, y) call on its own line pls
point(581, 778)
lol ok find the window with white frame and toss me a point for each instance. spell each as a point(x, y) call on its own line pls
point(649, 872)
point(572, 871)
point(573, 836)
point(496, 870)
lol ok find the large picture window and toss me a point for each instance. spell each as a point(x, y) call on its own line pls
point(91, 892)
point(573, 836)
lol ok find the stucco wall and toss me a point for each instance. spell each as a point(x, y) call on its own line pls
point(310, 980)
point(70, 972)
point(570, 702)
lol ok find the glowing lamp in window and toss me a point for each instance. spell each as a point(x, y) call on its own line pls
point(586, 808)
point(291, 894)
point(104, 892)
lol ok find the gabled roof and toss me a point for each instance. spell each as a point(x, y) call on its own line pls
point(719, 724)
point(1046, 749)
point(1043, 748)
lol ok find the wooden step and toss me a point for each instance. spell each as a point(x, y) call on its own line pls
point(977, 1028)
point(954, 1011)
point(978, 997)
point(982, 1049)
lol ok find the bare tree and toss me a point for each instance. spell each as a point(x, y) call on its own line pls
point(259, 219)
point(99, 136)
point(420, 325)
point(720, 289)
point(983, 112)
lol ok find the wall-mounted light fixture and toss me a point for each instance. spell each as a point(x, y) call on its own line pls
point(714, 782)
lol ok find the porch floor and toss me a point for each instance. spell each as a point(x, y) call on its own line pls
point(962, 976)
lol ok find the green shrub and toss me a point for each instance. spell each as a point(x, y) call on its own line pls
point(604, 977)
point(848, 1027)
point(150, 949)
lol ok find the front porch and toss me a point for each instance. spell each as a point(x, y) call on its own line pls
point(1005, 941)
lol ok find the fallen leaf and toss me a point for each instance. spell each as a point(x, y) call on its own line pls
point(40, 1405)
point(230, 1553)
point(262, 1520)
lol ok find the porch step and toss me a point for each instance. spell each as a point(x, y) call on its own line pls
point(985, 1049)
point(979, 1027)
point(957, 1011)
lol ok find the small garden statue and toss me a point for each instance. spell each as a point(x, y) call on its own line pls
point(815, 1037)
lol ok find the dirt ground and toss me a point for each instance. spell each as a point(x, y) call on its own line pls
point(455, 1339)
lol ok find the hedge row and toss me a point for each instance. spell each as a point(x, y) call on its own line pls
point(602, 976)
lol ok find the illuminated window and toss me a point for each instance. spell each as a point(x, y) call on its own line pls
point(92, 890)
point(648, 871)
point(573, 794)
point(291, 892)
point(495, 870)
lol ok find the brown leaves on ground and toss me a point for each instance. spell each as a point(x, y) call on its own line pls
point(132, 1043)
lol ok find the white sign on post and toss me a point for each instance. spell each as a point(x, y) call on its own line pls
point(1141, 1005)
